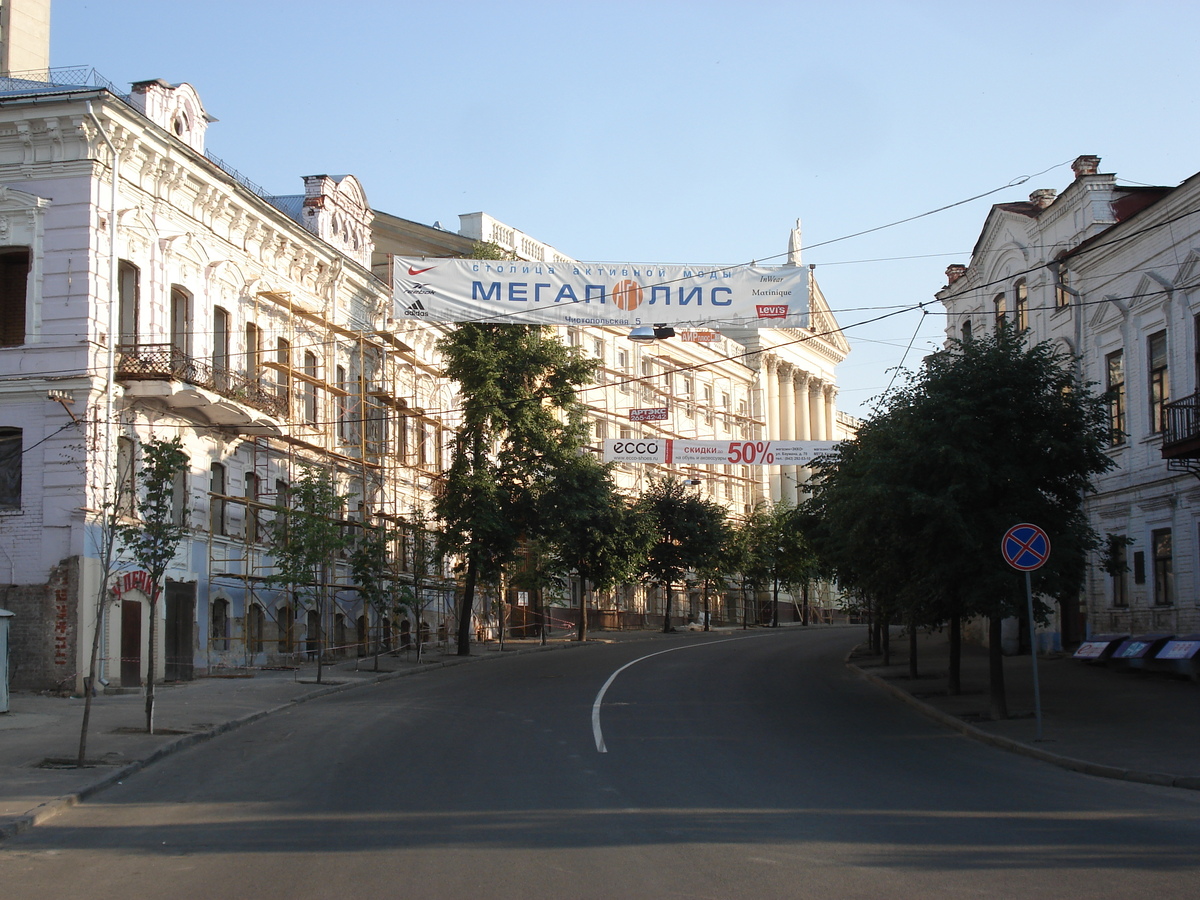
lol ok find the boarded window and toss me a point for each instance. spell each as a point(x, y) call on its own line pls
point(10, 468)
point(14, 274)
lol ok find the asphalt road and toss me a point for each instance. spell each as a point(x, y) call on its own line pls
point(742, 766)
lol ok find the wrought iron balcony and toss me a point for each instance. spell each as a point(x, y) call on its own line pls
point(165, 362)
point(1181, 437)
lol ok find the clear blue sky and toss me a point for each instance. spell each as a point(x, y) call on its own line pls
point(684, 131)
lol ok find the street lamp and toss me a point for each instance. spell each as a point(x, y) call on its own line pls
point(647, 333)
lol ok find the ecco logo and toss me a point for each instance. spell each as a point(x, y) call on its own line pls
point(640, 448)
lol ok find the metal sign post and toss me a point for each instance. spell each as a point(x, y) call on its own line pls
point(1027, 547)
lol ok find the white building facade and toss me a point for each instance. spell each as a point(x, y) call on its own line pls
point(1109, 274)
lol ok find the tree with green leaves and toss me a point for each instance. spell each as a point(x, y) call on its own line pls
point(108, 536)
point(154, 540)
point(592, 528)
point(989, 433)
point(306, 539)
point(689, 534)
point(371, 564)
point(521, 422)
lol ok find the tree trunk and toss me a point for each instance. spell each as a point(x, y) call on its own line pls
point(150, 661)
point(912, 650)
point(999, 702)
point(464, 610)
point(745, 606)
point(775, 604)
point(804, 600)
point(885, 637)
point(500, 587)
point(706, 612)
point(89, 683)
point(540, 611)
point(666, 609)
point(581, 624)
point(954, 675)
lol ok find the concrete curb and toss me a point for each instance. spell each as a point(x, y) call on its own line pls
point(48, 810)
point(1188, 782)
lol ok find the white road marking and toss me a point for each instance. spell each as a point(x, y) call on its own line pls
point(596, 731)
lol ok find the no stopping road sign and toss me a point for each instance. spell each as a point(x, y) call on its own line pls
point(1025, 547)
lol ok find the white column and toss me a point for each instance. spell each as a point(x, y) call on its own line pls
point(771, 415)
point(830, 412)
point(803, 427)
point(787, 431)
point(817, 396)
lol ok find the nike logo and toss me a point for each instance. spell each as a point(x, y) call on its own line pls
point(412, 271)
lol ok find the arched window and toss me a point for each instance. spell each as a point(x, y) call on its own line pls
point(285, 621)
point(1000, 304)
point(220, 624)
point(966, 330)
point(255, 626)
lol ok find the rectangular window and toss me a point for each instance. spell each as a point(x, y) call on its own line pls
point(128, 299)
point(1001, 307)
point(1139, 567)
point(216, 499)
point(1114, 365)
point(1062, 290)
point(1160, 386)
point(252, 523)
point(310, 389)
point(1120, 581)
point(343, 405)
point(1021, 301)
point(253, 352)
point(14, 278)
point(601, 430)
point(220, 350)
point(11, 441)
point(1164, 574)
point(283, 381)
point(181, 323)
point(179, 497)
point(126, 483)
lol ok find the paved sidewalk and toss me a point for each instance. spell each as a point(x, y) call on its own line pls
point(1137, 726)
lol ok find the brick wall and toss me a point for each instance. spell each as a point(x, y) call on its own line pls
point(43, 633)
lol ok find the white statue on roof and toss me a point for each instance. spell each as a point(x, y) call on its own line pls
point(794, 245)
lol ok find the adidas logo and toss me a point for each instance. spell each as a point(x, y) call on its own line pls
point(417, 310)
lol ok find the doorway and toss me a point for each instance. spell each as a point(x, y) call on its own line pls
point(178, 642)
point(131, 643)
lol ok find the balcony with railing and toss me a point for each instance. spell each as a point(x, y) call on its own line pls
point(222, 396)
point(1181, 434)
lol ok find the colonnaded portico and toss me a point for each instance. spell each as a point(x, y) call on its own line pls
point(800, 406)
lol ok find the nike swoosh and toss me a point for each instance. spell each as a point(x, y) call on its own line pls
point(412, 271)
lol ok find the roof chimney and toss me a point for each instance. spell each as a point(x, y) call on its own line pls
point(1043, 197)
point(955, 271)
point(1085, 165)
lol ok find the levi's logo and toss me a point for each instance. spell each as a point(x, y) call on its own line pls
point(772, 311)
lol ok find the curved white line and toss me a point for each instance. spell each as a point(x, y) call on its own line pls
point(596, 732)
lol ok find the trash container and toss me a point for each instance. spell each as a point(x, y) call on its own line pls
point(5, 618)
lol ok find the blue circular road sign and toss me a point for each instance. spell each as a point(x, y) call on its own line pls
point(1025, 547)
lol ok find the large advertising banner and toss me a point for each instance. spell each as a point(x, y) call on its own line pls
point(620, 294)
point(668, 451)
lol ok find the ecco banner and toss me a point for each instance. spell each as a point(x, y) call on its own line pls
point(485, 290)
point(718, 453)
